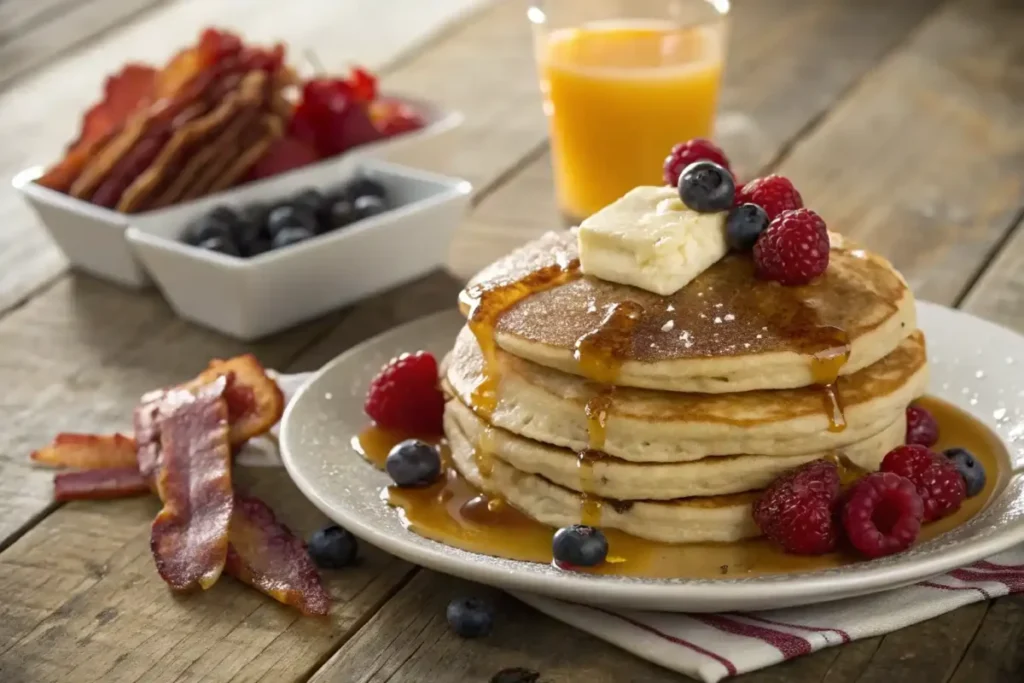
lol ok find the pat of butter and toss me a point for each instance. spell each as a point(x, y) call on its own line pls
point(649, 239)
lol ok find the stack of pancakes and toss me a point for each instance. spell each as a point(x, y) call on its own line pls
point(578, 400)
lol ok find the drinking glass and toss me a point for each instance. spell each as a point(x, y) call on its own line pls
point(623, 81)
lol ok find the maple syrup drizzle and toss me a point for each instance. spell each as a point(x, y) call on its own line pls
point(454, 512)
point(599, 355)
point(488, 303)
point(825, 368)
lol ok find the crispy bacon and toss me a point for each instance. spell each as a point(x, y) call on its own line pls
point(88, 452)
point(255, 402)
point(268, 557)
point(189, 537)
point(123, 94)
point(119, 482)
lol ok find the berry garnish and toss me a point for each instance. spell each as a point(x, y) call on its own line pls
point(368, 205)
point(579, 546)
point(744, 225)
point(970, 469)
point(220, 244)
point(413, 463)
point(922, 429)
point(793, 249)
point(332, 547)
point(882, 514)
point(685, 153)
point(405, 395)
point(773, 193)
point(706, 187)
point(936, 478)
point(797, 509)
point(470, 617)
point(515, 675)
point(290, 235)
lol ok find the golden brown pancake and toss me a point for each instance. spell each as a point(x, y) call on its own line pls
point(726, 331)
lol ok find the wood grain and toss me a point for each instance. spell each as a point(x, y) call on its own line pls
point(409, 641)
point(781, 77)
point(40, 114)
point(34, 32)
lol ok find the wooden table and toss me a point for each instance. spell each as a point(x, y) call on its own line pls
point(900, 121)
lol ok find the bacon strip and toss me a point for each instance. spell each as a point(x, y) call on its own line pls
point(104, 484)
point(88, 452)
point(189, 538)
point(268, 557)
point(255, 402)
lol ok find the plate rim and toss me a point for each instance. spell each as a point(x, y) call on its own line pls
point(699, 595)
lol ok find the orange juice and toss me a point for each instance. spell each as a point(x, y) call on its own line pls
point(618, 95)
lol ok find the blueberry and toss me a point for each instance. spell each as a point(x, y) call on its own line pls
point(288, 216)
point(579, 546)
point(515, 675)
point(255, 213)
point(289, 235)
point(413, 463)
point(310, 199)
point(363, 187)
point(205, 227)
point(470, 617)
point(332, 547)
point(220, 243)
point(743, 226)
point(705, 187)
point(225, 214)
point(341, 214)
point(972, 471)
point(245, 232)
point(258, 246)
point(368, 205)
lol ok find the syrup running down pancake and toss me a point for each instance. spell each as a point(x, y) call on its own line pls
point(726, 331)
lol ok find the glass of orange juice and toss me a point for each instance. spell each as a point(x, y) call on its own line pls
point(623, 81)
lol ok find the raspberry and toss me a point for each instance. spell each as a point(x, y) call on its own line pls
point(685, 153)
point(797, 510)
point(882, 514)
point(405, 395)
point(773, 193)
point(793, 249)
point(921, 427)
point(936, 478)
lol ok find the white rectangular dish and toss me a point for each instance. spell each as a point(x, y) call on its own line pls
point(93, 238)
point(253, 297)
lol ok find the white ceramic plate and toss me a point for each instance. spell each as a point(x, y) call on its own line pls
point(975, 365)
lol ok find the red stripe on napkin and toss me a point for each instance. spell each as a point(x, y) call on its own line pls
point(1013, 580)
point(729, 666)
point(985, 564)
point(814, 629)
point(789, 645)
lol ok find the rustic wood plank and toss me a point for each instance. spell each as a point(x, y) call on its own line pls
point(40, 114)
point(780, 78)
point(33, 33)
point(408, 641)
point(996, 654)
point(82, 603)
point(999, 293)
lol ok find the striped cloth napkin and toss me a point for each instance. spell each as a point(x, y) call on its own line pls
point(711, 647)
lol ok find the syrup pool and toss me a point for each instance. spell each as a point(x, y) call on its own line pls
point(455, 513)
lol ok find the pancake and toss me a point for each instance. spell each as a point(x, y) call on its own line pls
point(689, 520)
point(656, 426)
point(726, 331)
point(610, 477)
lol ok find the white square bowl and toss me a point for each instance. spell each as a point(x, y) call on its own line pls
point(254, 297)
point(93, 238)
